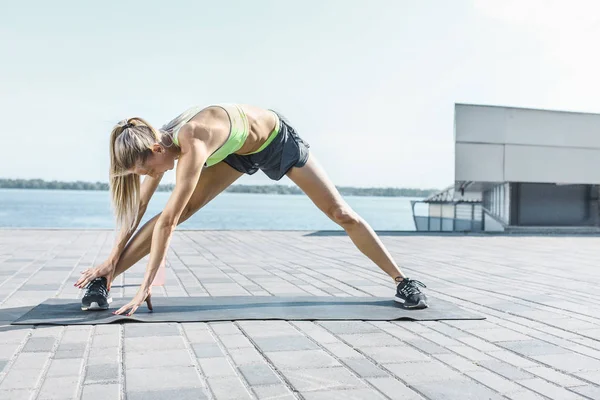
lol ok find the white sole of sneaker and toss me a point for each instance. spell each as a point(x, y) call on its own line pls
point(419, 306)
point(94, 307)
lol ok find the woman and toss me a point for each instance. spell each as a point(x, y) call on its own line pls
point(214, 146)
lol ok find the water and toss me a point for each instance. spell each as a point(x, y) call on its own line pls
point(29, 208)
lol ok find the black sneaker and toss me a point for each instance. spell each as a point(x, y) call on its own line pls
point(409, 294)
point(96, 296)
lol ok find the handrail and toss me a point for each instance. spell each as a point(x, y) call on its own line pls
point(425, 222)
point(494, 217)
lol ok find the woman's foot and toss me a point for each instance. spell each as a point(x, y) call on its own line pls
point(409, 294)
point(96, 296)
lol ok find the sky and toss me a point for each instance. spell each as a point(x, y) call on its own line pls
point(371, 85)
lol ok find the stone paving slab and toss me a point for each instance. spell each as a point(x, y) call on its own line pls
point(540, 339)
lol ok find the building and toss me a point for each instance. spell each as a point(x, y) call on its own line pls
point(532, 168)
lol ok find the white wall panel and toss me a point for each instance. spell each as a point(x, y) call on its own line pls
point(479, 162)
point(549, 128)
point(551, 165)
point(479, 124)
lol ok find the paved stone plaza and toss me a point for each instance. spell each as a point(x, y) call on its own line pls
point(540, 295)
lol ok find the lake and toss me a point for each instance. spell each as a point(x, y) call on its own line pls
point(31, 208)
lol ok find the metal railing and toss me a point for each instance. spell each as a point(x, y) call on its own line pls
point(447, 217)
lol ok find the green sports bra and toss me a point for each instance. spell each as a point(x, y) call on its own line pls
point(240, 128)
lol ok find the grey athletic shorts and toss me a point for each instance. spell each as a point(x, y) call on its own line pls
point(287, 150)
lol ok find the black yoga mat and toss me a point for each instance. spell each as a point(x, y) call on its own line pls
point(237, 308)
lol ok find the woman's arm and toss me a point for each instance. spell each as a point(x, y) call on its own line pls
point(107, 268)
point(147, 189)
point(194, 142)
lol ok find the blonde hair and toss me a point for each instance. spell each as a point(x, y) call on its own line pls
point(131, 142)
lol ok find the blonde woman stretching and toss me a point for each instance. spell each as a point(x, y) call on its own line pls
point(214, 146)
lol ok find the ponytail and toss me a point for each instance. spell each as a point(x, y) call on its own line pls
point(130, 143)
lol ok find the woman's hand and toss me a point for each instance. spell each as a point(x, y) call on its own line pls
point(106, 269)
point(141, 296)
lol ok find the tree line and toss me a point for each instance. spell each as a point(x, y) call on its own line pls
point(262, 189)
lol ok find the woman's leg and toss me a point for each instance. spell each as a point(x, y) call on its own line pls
point(213, 181)
point(312, 180)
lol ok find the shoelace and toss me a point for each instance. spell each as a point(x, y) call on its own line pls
point(411, 287)
point(97, 287)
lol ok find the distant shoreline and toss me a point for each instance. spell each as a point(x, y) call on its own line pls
point(258, 189)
